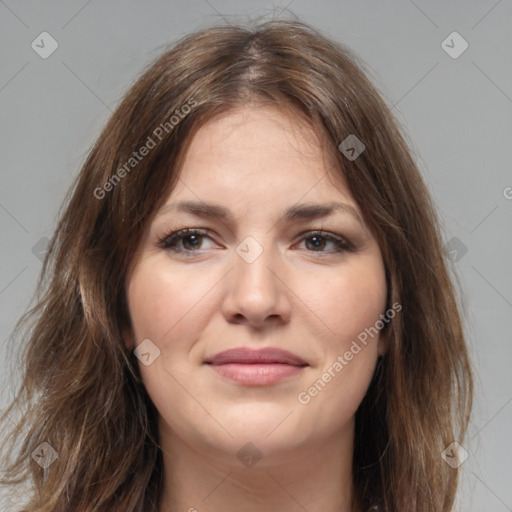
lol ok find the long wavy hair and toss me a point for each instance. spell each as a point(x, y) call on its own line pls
point(81, 390)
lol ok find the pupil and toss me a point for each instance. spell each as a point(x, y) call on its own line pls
point(195, 240)
point(319, 243)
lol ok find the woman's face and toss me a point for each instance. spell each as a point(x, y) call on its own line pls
point(257, 274)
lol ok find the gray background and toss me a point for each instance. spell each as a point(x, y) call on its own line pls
point(457, 112)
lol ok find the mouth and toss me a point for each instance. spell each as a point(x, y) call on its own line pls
point(256, 367)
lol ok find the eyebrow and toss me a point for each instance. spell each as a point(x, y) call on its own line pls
point(307, 211)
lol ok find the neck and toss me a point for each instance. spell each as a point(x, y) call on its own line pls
point(312, 476)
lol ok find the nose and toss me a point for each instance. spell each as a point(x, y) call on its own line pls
point(256, 292)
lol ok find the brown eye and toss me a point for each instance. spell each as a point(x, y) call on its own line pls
point(318, 241)
point(184, 241)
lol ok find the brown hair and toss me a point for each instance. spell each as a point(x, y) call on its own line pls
point(81, 388)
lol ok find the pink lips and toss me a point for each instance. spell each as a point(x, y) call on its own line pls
point(256, 367)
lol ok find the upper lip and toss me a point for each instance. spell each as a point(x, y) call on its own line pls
point(251, 356)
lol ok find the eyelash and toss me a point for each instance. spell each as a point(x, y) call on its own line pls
point(169, 242)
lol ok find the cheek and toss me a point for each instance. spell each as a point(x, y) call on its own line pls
point(170, 307)
point(162, 301)
point(161, 304)
point(150, 304)
point(347, 301)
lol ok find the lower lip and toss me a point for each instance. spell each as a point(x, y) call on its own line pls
point(256, 374)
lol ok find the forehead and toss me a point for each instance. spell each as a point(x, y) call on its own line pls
point(260, 150)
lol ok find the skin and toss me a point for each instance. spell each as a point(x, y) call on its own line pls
point(299, 295)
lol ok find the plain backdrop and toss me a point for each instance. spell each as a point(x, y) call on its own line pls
point(456, 109)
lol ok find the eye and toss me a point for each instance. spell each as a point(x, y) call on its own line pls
point(317, 241)
point(184, 241)
point(189, 241)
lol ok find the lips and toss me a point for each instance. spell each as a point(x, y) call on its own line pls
point(263, 367)
point(260, 356)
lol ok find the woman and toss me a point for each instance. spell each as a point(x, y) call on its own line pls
point(246, 303)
